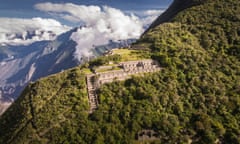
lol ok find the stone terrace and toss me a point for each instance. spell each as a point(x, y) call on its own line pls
point(128, 69)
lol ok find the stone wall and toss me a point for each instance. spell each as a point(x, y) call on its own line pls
point(129, 68)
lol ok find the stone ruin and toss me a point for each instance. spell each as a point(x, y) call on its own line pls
point(128, 69)
point(147, 135)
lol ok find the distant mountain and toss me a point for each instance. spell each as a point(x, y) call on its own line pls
point(195, 98)
point(22, 64)
point(27, 37)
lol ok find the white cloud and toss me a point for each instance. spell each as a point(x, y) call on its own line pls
point(89, 14)
point(102, 24)
point(72, 12)
point(17, 31)
point(4, 106)
point(150, 15)
point(152, 12)
point(147, 16)
point(110, 24)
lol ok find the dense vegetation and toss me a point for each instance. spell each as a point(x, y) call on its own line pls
point(47, 109)
point(194, 99)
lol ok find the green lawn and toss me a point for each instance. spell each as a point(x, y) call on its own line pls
point(86, 70)
point(111, 68)
point(130, 55)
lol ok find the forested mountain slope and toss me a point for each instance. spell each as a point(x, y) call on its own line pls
point(174, 9)
point(194, 99)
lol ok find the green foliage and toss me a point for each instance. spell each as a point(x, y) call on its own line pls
point(195, 98)
point(45, 108)
point(103, 60)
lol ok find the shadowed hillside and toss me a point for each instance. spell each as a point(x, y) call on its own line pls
point(174, 9)
point(195, 98)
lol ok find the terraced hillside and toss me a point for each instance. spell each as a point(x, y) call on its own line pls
point(195, 98)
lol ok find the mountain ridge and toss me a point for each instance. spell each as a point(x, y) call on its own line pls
point(174, 8)
point(26, 60)
point(23, 64)
point(193, 99)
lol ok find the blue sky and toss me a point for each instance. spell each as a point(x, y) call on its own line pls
point(116, 19)
point(25, 8)
point(122, 4)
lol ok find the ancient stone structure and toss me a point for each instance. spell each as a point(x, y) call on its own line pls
point(127, 70)
point(92, 97)
point(147, 135)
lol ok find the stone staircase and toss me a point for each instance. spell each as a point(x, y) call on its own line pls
point(128, 69)
point(92, 96)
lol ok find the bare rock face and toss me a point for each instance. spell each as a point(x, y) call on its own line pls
point(22, 64)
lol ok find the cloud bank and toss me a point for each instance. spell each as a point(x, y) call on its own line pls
point(16, 31)
point(101, 24)
point(147, 16)
point(4, 106)
point(109, 24)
